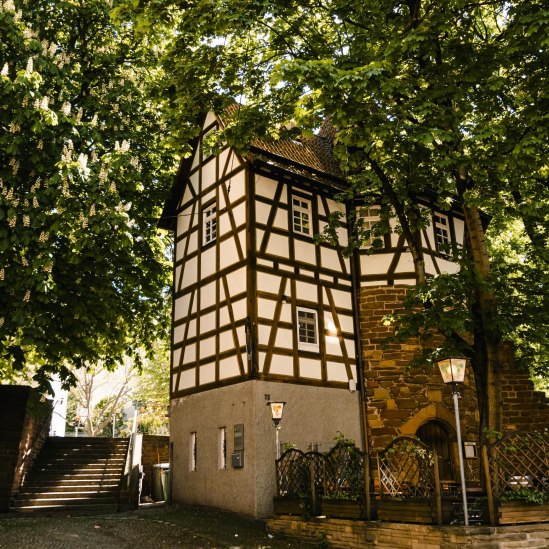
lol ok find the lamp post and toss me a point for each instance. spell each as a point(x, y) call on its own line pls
point(452, 370)
point(276, 413)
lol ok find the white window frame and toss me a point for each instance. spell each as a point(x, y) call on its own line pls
point(302, 215)
point(222, 447)
point(310, 321)
point(204, 137)
point(371, 216)
point(209, 224)
point(193, 452)
point(441, 228)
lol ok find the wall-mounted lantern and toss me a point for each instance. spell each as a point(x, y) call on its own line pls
point(277, 408)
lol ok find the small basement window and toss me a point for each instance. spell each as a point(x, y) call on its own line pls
point(209, 224)
point(193, 452)
point(222, 447)
point(301, 215)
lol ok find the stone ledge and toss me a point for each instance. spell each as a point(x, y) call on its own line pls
point(362, 534)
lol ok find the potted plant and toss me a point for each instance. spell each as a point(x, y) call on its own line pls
point(523, 504)
point(341, 504)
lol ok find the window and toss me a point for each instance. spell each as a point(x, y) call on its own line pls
point(193, 452)
point(370, 217)
point(442, 231)
point(307, 328)
point(301, 215)
point(209, 224)
point(222, 448)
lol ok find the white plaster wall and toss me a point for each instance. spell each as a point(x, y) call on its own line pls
point(312, 415)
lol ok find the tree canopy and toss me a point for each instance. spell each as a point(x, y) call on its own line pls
point(448, 98)
point(84, 170)
point(426, 97)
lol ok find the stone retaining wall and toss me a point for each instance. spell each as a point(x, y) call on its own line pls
point(24, 424)
point(155, 449)
point(359, 534)
point(523, 409)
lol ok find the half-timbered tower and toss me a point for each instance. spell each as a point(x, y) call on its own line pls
point(264, 312)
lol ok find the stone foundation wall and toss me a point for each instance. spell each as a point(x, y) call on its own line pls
point(360, 534)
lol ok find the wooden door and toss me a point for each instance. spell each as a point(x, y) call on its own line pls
point(437, 436)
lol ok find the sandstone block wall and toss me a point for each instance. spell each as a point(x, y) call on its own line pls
point(354, 534)
point(400, 399)
point(524, 409)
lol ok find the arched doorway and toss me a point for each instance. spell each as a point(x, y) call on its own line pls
point(436, 435)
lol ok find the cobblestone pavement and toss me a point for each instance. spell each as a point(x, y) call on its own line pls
point(146, 528)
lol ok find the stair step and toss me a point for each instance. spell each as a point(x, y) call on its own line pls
point(93, 508)
point(81, 455)
point(78, 442)
point(67, 491)
point(75, 486)
point(84, 456)
point(74, 474)
point(63, 501)
point(48, 474)
point(91, 474)
point(28, 496)
point(80, 463)
point(69, 465)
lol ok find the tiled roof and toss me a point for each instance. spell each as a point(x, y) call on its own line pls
point(314, 153)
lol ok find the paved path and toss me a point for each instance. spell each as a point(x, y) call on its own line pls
point(152, 528)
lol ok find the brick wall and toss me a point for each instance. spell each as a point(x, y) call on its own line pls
point(156, 449)
point(24, 426)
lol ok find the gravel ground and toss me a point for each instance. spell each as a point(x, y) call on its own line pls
point(146, 528)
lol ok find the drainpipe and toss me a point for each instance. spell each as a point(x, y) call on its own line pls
point(363, 402)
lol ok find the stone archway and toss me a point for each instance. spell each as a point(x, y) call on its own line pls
point(433, 411)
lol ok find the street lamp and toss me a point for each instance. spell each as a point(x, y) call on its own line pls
point(452, 370)
point(276, 413)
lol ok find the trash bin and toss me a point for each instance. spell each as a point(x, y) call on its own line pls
point(161, 482)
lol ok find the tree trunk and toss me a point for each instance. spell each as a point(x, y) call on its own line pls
point(487, 363)
point(412, 235)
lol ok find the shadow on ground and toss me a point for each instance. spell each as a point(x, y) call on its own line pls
point(147, 528)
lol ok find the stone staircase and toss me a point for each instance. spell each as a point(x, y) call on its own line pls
point(74, 474)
